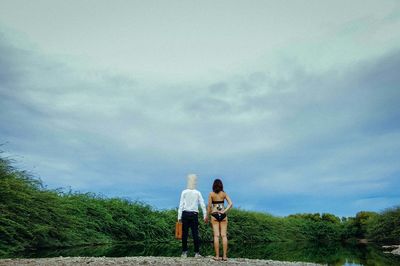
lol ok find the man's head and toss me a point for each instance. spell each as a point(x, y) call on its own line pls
point(191, 181)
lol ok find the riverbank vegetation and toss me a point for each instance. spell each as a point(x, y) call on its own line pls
point(32, 216)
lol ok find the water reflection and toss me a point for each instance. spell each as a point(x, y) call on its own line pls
point(351, 264)
point(334, 254)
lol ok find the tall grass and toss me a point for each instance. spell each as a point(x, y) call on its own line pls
point(32, 216)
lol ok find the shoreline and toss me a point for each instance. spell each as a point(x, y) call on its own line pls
point(65, 261)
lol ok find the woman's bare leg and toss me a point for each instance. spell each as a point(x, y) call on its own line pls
point(216, 232)
point(224, 227)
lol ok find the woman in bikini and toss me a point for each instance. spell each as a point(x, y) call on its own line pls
point(219, 220)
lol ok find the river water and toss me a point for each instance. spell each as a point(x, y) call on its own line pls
point(335, 254)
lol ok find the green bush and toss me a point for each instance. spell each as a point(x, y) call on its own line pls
point(32, 216)
point(385, 227)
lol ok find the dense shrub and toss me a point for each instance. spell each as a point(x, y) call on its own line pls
point(385, 227)
point(32, 216)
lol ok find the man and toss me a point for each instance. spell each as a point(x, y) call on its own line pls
point(188, 212)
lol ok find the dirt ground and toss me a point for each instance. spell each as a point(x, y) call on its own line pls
point(66, 261)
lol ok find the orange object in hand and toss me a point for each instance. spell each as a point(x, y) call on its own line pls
point(178, 230)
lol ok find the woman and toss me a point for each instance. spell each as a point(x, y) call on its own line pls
point(219, 220)
point(188, 213)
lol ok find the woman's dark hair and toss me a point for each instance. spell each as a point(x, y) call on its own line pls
point(218, 186)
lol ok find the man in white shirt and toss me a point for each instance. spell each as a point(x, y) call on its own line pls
point(188, 211)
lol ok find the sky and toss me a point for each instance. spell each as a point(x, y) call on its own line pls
point(293, 104)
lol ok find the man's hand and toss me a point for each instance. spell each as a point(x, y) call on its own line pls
point(206, 219)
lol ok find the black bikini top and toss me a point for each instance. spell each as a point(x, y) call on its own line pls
point(218, 201)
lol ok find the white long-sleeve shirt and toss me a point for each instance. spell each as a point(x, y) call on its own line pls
point(190, 201)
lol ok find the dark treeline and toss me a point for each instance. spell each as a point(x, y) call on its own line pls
point(32, 216)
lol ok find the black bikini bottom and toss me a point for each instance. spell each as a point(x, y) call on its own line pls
point(218, 216)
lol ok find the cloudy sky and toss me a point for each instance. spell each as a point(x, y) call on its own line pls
point(293, 104)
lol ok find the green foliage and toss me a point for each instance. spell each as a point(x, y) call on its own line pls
point(319, 228)
point(361, 222)
point(32, 216)
point(385, 227)
point(247, 226)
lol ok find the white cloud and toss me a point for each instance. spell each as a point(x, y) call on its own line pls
point(308, 121)
point(192, 42)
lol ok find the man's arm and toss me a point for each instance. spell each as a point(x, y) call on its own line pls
point(180, 207)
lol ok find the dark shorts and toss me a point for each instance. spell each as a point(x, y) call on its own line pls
point(219, 216)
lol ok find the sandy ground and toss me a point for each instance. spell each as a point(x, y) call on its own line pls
point(145, 261)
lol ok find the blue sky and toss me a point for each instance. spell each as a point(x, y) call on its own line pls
point(293, 104)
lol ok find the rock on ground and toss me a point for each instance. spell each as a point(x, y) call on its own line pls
point(66, 261)
point(395, 249)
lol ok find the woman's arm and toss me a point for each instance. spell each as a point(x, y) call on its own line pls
point(209, 204)
point(230, 204)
